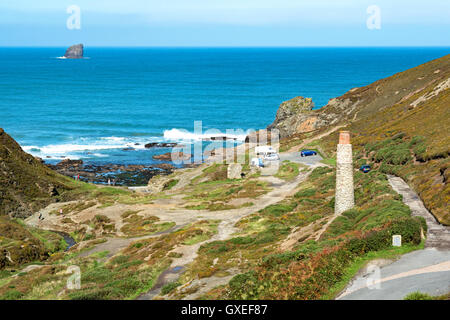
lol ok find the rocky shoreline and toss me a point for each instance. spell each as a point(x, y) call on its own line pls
point(125, 175)
point(113, 174)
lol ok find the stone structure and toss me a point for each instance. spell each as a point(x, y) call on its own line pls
point(234, 171)
point(345, 198)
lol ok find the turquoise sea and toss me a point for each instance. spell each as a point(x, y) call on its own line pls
point(122, 98)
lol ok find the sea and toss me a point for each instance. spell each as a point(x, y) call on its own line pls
point(106, 107)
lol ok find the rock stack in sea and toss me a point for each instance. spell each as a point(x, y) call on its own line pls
point(74, 52)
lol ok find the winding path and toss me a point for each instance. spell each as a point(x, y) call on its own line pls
point(225, 230)
point(438, 236)
point(427, 271)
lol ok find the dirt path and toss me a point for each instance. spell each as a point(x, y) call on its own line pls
point(438, 236)
point(115, 245)
point(225, 230)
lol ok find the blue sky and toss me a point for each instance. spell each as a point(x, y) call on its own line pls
point(225, 23)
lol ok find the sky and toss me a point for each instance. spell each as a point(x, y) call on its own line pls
point(211, 23)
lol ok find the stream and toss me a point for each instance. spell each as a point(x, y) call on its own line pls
point(68, 239)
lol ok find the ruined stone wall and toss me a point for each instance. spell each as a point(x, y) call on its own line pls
point(345, 198)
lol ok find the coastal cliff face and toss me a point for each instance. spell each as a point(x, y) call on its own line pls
point(26, 184)
point(74, 52)
point(293, 116)
point(296, 116)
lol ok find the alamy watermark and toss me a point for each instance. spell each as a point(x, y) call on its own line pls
point(374, 277)
point(234, 146)
point(74, 20)
point(373, 22)
point(74, 281)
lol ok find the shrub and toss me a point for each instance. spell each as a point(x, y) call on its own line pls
point(170, 287)
point(102, 218)
point(170, 184)
point(244, 286)
point(418, 296)
point(319, 171)
point(305, 193)
point(279, 209)
point(12, 295)
point(242, 240)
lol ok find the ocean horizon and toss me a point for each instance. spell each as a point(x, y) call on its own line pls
point(105, 108)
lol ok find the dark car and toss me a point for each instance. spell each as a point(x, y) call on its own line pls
point(365, 168)
point(306, 153)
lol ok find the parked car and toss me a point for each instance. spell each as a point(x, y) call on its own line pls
point(272, 156)
point(307, 153)
point(365, 168)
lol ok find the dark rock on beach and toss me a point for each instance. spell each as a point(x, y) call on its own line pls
point(165, 166)
point(175, 156)
point(115, 174)
point(160, 145)
point(75, 52)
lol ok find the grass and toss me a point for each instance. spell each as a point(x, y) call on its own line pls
point(166, 289)
point(424, 296)
point(329, 161)
point(255, 249)
point(170, 184)
point(288, 170)
point(136, 225)
point(215, 195)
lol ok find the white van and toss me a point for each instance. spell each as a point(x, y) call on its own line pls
point(272, 156)
point(263, 150)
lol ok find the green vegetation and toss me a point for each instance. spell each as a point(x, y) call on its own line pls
point(313, 269)
point(170, 287)
point(424, 296)
point(360, 262)
point(288, 170)
point(136, 225)
point(213, 191)
point(20, 244)
point(126, 276)
point(170, 184)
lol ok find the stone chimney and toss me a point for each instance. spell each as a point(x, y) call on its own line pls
point(345, 198)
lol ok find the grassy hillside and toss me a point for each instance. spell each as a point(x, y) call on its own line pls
point(26, 185)
point(408, 137)
point(359, 103)
point(310, 269)
point(412, 142)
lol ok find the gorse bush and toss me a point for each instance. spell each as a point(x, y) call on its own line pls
point(394, 151)
point(419, 147)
